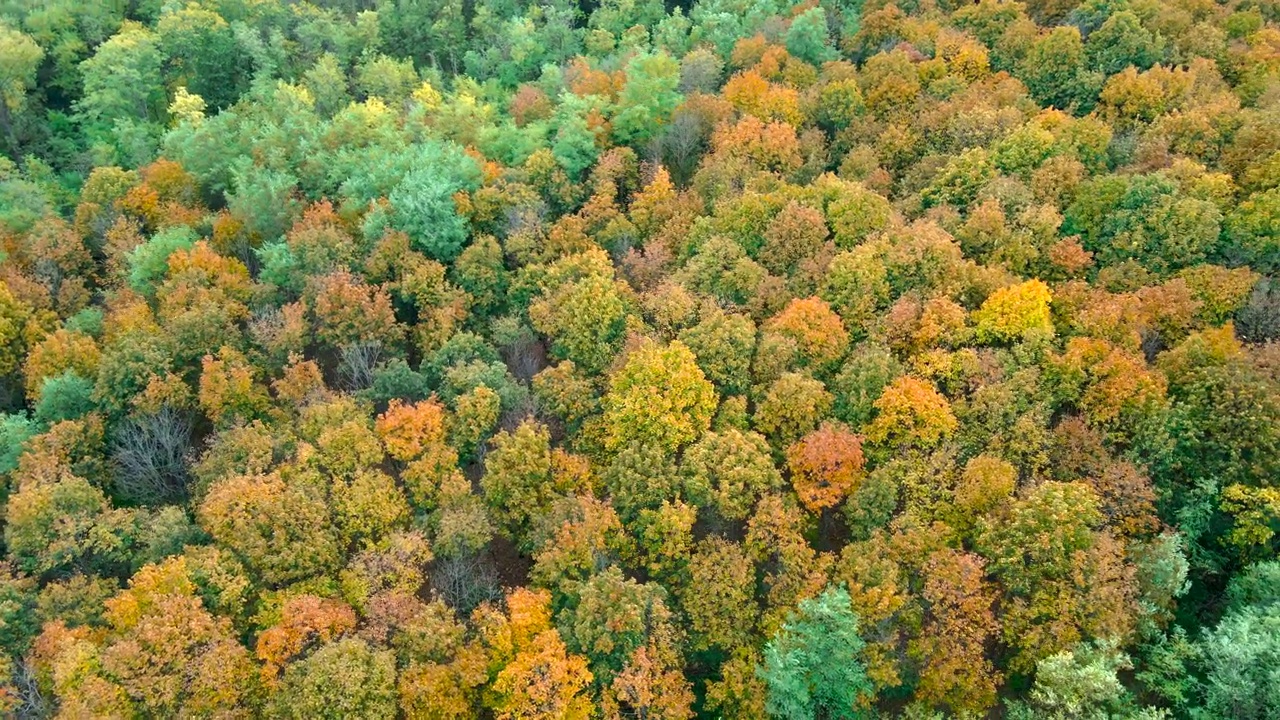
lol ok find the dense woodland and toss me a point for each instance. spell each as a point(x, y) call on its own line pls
point(728, 359)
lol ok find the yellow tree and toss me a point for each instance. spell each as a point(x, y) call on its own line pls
point(1012, 313)
point(659, 397)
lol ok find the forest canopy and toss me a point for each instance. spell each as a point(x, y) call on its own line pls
point(724, 359)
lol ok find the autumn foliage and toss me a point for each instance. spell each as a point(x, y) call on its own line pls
point(629, 360)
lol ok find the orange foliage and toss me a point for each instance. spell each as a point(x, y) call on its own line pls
point(826, 466)
point(817, 330)
point(773, 146)
point(753, 95)
point(408, 429)
point(305, 621)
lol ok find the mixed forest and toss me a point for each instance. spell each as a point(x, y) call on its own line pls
point(604, 359)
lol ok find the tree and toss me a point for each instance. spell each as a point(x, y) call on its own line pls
point(523, 476)
point(1054, 71)
point(123, 88)
point(642, 477)
point(203, 55)
point(409, 431)
point(1145, 218)
point(809, 39)
point(732, 469)
point(282, 530)
point(817, 331)
point(1015, 312)
point(648, 98)
point(956, 672)
point(64, 397)
point(723, 344)
point(1240, 657)
point(867, 370)
point(1064, 580)
point(1251, 229)
point(826, 466)
point(57, 525)
point(543, 681)
point(348, 312)
point(613, 618)
point(793, 406)
point(423, 204)
point(585, 320)
point(719, 597)
point(652, 685)
point(228, 391)
point(856, 285)
point(150, 454)
point(1122, 41)
point(660, 397)
point(911, 413)
point(149, 262)
point(577, 538)
point(811, 668)
point(343, 679)
point(1081, 682)
point(162, 652)
point(304, 621)
point(20, 56)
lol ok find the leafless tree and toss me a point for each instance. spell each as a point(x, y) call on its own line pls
point(32, 704)
point(357, 363)
point(465, 581)
point(150, 454)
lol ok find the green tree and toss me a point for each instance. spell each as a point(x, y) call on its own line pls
point(809, 39)
point(1081, 682)
point(20, 57)
point(344, 679)
point(124, 92)
point(1123, 41)
point(1055, 73)
point(1253, 228)
point(613, 617)
point(203, 55)
point(723, 344)
point(423, 204)
point(1241, 655)
point(523, 476)
point(64, 397)
point(812, 667)
point(648, 98)
point(732, 469)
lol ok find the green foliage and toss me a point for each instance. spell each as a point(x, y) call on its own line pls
point(812, 667)
point(1252, 229)
point(1123, 41)
point(810, 360)
point(344, 679)
point(123, 91)
point(1055, 72)
point(1241, 655)
point(1145, 218)
point(1080, 683)
point(15, 430)
point(648, 97)
point(149, 262)
point(659, 397)
point(808, 37)
point(64, 397)
point(423, 204)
